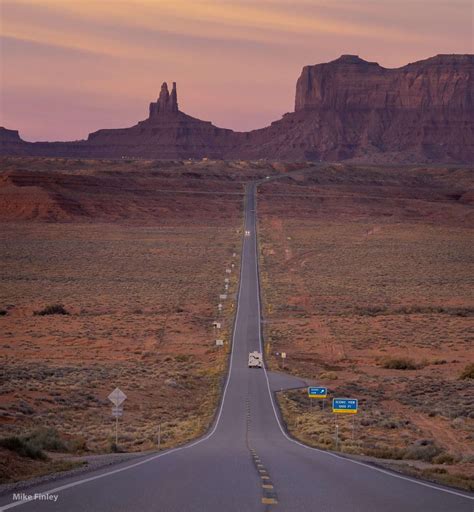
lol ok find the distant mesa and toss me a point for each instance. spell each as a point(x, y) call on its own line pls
point(347, 109)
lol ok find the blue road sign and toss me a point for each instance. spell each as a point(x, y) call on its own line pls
point(315, 392)
point(345, 405)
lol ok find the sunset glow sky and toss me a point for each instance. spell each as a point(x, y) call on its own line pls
point(69, 67)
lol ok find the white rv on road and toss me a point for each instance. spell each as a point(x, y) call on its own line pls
point(255, 359)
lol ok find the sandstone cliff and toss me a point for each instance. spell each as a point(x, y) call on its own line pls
point(444, 81)
point(353, 109)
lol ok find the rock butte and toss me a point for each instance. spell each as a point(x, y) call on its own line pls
point(347, 109)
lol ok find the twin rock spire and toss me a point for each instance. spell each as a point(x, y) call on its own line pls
point(166, 103)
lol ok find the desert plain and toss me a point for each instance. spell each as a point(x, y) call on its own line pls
point(366, 275)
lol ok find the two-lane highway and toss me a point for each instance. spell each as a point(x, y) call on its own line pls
point(246, 462)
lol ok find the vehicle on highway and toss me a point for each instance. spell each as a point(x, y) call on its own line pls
point(255, 360)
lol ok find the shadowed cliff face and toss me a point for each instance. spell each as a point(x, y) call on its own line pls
point(345, 109)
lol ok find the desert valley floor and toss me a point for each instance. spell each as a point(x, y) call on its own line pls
point(366, 285)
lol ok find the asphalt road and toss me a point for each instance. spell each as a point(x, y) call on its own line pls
point(246, 462)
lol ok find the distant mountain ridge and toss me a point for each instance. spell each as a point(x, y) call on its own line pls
point(347, 109)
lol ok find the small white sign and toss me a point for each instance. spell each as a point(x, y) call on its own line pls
point(283, 355)
point(217, 325)
point(117, 412)
point(228, 270)
point(219, 343)
point(117, 397)
point(226, 280)
point(223, 296)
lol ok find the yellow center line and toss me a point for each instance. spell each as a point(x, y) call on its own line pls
point(269, 501)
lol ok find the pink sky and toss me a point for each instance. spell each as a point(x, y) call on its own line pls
point(71, 67)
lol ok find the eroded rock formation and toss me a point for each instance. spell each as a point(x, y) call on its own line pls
point(166, 103)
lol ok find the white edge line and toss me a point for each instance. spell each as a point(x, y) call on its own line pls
point(179, 448)
point(380, 470)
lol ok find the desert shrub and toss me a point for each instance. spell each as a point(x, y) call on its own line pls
point(22, 447)
point(53, 309)
point(47, 439)
point(391, 424)
point(468, 372)
point(424, 449)
point(328, 376)
point(399, 363)
point(115, 448)
point(77, 445)
point(385, 452)
point(183, 358)
point(444, 458)
point(371, 310)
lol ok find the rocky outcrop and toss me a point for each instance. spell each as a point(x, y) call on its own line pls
point(345, 109)
point(166, 103)
point(9, 135)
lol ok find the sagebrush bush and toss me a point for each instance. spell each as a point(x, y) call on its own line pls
point(422, 450)
point(400, 363)
point(47, 439)
point(53, 309)
point(468, 372)
point(22, 447)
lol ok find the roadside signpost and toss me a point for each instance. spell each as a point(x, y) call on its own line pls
point(315, 392)
point(283, 357)
point(117, 412)
point(219, 343)
point(223, 296)
point(117, 397)
point(345, 405)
